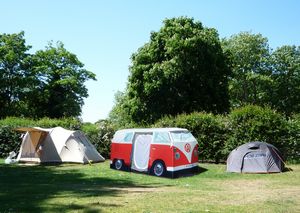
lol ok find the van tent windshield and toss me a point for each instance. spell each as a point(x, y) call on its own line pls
point(182, 137)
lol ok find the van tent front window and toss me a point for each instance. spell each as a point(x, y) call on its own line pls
point(182, 137)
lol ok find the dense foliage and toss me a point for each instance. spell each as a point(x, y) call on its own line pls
point(253, 123)
point(262, 76)
point(210, 131)
point(286, 77)
point(14, 73)
point(49, 83)
point(250, 58)
point(219, 135)
point(182, 67)
point(100, 134)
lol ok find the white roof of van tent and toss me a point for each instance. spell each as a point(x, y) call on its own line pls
point(173, 129)
point(56, 145)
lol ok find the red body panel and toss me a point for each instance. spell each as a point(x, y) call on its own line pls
point(121, 151)
point(163, 152)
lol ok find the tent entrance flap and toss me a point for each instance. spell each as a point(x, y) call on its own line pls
point(141, 152)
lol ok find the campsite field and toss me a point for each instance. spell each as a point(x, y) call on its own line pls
point(96, 188)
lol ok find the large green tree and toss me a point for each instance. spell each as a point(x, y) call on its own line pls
point(250, 60)
point(119, 115)
point(286, 75)
point(59, 87)
point(13, 73)
point(181, 69)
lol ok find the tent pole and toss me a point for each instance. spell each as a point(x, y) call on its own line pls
point(281, 159)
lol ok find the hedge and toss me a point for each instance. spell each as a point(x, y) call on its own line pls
point(217, 135)
point(254, 123)
point(10, 139)
point(209, 130)
point(100, 134)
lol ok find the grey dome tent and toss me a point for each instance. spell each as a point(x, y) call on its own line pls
point(255, 157)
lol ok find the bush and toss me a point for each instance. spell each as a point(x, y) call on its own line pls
point(254, 123)
point(210, 131)
point(217, 135)
point(68, 123)
point(9, 141)
point(100, 134)
point(293, 140)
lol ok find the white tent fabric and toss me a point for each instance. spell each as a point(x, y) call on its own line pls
point(56, 145)
point(141, 152)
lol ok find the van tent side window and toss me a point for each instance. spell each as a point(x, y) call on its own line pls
point(128, 137)
point(161, 137)
point(120, 137)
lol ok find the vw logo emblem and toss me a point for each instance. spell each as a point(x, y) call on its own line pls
point(187, 147)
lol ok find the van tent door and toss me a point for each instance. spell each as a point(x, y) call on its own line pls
point(141, 152)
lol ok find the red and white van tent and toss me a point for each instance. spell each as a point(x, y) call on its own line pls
point(154, 150)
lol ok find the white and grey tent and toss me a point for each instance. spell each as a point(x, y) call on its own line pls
point(56, 145)
point(255, 157)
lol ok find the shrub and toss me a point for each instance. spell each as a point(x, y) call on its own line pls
point(293, 140)
point(210, 131)
point(100, 134)
point(254, 123)
point(9, 141)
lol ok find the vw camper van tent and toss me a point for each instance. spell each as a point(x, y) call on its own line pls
point(158, 151)
point(56, 145)
point(255, 157)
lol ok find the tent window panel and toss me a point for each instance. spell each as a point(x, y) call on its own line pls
point(254, 147)
point(128, 137)
point(161, 137)
point(120, 137)
point(83, 140)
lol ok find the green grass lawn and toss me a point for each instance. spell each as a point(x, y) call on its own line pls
point(96, 188)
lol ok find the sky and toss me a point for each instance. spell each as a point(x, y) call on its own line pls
point(105, 33)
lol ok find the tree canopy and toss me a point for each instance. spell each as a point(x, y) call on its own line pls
point(49, 83)
point(13, 72)
point(180, 70)
point(286, 77)
point(250, 61)
point(262, 76)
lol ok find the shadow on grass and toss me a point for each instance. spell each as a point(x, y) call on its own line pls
point(26, 188)
point(287, 169)
point(196, 171)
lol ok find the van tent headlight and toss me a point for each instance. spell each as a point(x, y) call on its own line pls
point(177, 155)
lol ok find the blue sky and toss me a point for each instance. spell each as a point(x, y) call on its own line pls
point(104, 34)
